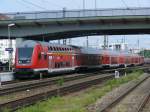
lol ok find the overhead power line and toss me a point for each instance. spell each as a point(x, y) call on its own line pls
point(24, 4)
point(125, 4)
point(52, 3)
point(35, 5)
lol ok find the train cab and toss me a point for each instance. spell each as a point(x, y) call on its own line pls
point(31, 57)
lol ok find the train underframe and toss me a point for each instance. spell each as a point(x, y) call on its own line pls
point(31, 73)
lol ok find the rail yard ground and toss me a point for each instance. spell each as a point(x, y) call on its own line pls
point(84, 100)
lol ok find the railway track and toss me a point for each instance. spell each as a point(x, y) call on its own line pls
point(98, 71)
point(17, 86)
point(116, 101)
point(68, 87)
point(145, 104)
point(21, 86)
point(71, 84)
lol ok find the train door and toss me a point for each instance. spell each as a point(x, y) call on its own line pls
point(72, 61)
point(50, 62)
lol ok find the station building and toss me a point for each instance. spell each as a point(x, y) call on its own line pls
point(4, 55)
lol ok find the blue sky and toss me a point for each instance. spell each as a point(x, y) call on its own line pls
point(42, 5)
point(36, 5)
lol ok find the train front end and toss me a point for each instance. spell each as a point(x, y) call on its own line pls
point(24, 60)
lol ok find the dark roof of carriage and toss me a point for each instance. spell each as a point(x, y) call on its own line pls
point(84, 50)
point(32, 43)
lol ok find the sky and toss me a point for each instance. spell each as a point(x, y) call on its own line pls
point(44, 5)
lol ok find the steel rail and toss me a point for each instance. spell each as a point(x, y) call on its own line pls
point(21, 86)
point(119, 98)
point(9, 89)
point(144, 102)
point(67, 88)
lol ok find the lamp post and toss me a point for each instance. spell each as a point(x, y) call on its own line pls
point(10, 44)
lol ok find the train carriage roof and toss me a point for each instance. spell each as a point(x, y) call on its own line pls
point(77, 49)
point(32, 43)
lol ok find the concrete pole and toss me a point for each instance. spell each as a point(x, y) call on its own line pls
point(10, 45)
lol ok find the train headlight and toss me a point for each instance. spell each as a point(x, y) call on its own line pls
point(28, 61)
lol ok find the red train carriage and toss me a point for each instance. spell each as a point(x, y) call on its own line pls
point(89, 58)
point(106, 59)
point(34, 57)
point(39, 57)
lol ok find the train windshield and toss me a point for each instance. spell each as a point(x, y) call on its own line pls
point(25, 53)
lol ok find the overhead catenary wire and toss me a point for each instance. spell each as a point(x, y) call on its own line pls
point(59, 6)
point(24, 4)
point(125, 4)
point(127, 7)
point(35, 5)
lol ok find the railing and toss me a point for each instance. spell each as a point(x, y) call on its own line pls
point(75, 13)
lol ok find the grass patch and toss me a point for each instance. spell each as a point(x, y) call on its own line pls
point(79, 103)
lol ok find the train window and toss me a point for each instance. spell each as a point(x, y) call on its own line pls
point(55, 65)
point(58, 65)
point(39, 56)
point(77, 57)
point(25, 52)
point(61, 64)
point(64, 64)
point(45, 56)
point(68, 64)
point(51, 48)
point(57, 48)
point(54, 48)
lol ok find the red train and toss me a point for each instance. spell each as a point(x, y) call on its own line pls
point(34, 57)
